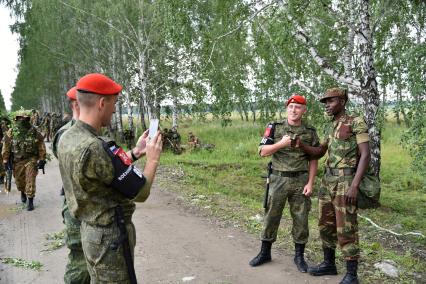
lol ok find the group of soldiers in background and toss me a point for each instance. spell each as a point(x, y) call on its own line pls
point(48, 123)
point(172, 140)
point(23, 151)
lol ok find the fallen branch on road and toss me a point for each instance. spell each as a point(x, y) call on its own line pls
point(390, 231)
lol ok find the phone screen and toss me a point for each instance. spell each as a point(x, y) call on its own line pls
point(153, 128)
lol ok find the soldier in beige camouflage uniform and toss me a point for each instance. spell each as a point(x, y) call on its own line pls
point(26, 145)
point(347, 161)
point(46, 126)
point(102, 185)
point(4, 121)
point(292, 179)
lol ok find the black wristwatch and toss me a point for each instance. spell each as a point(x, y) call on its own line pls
point(134, 158)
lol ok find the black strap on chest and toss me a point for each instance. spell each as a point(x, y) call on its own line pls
point(123, 240)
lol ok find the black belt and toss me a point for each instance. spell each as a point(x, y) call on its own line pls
point(288, 174)
point(340, 172)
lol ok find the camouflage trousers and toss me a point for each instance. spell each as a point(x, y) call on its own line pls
point(2, 170)
point(282, 189)
point(338, 220)
point(25, 173)
point(104, 264)
point(76, 269)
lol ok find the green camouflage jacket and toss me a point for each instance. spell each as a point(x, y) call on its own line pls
point(58, 135)
point(289, 159)
point(87, 173)
point(343, 136)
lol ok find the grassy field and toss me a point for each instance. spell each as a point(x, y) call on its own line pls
point(227, 183)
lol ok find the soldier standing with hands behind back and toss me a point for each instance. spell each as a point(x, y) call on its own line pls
point(102, 185)
point(292, 179)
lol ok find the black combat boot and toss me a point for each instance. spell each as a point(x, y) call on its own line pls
point(351, 276)
point(30, 206)
point(299, 259)
point(23, 197)
point(264, 255)
point(328, 266)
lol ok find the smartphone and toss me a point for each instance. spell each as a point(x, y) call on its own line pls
point(153, 127)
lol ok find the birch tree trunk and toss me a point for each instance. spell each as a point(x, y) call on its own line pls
point(369, 86)
point(175, 112)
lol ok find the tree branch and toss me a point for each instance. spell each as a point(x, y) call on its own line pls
point(390, 231)
point(239, 26)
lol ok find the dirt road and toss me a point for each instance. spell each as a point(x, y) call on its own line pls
point(174, 245)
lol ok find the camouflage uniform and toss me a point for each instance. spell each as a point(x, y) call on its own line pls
point(172, 140)
point(87, 173)
point(338, 220)
point(288, 179)
point(55, 123)
point(76, 268)
point(34, 118)
point(46, 126)
point(27, 148)
point(3, 130)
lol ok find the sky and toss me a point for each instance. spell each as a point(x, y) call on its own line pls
point(9, 47)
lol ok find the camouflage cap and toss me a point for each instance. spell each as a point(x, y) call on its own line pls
point(335, 92)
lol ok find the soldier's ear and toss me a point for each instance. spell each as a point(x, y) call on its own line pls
point(101, 102)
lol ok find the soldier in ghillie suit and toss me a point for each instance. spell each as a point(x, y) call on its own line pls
point(25, 143)
point(292, 178)
point(129, 137)
point(193, 141)
point(172, 140)
point(347, 161)
point(4, 127)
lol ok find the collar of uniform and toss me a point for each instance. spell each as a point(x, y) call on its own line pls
point(88, 127)
point(341, 119)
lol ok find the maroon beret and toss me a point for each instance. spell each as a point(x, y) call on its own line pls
point(98, 84)
point(297, 99)
point(72, 93)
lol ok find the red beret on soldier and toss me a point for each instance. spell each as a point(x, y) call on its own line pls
point(99, 84)
point(297, 99)
point(72, 93)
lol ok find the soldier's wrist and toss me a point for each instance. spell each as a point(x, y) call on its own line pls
point(134, 155)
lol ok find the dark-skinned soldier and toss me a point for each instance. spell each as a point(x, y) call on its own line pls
point(101, 184)
point(347, 161)
point(26, 144)
point(292, 179)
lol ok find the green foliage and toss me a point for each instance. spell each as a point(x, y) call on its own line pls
point(56, 240)
point(414, 140)
point(19, 262)
point(223, 56)
point(2, 105)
